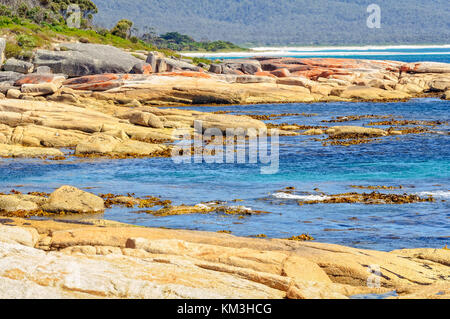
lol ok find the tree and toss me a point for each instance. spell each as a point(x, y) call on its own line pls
point(122, 28)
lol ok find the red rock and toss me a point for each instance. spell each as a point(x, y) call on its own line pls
point(98, 78)
point(35, 79)
point(99, 86)
point(265, 73)
point(142, 68)
point(281, 73)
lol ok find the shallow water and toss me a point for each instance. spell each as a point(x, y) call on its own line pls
point(420, 163)
point(394, 53)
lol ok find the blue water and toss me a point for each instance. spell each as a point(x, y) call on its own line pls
point(435, 54)
point(420, 163)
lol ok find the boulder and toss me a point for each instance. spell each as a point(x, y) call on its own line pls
point(446, 95)
point(9, 77)
point(14, 65)
point(86, 59)
point(250, 68)
point(145, 119)
point(161, 66)
point(246, 66)
point(73, 200)
point(97, 144)
point(173, 65)
point(11, 203)
point(440, 85)
point(153, 58)
point(13, 94)
point(2, 50)
point(132, 147)
point(39, 89)
point(63, 98)
point(281, 73)
point(225, 121)
point(142, 68)
point(215, 68)
point(230, 71)
point(43, 70)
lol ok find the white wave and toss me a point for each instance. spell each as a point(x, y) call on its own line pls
point(438, 194)
point(300, 197)
point(203, 206)
point(327, 51)
point(353, 48)
point(299, 54)
point(241, 208)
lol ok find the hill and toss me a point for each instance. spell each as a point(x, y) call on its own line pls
point(286, 22)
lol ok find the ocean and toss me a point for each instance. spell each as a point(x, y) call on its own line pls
point(405, 53)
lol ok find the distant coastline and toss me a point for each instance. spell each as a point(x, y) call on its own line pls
point(367, 50)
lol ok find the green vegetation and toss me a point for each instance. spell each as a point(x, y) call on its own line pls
point(47, 11)
point(122, 29)
point(180, 42)
point(28, 26)
point(26, 35)
point(287, 22)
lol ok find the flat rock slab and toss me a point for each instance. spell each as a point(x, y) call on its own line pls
point(93, 259)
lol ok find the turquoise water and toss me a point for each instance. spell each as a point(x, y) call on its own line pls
point(420, 163)
point(405, 54)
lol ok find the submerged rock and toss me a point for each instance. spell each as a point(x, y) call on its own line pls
point(344, 131)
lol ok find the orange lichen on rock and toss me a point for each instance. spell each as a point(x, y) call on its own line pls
point(281, 73)
point(92, 79)
point(35, 79)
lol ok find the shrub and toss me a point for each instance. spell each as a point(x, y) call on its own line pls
point(12, 50)
point(122, 28)
point(27, 42)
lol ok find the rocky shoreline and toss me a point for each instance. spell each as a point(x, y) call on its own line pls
point(93, 259)
point(98, 100)
point(152, 78)
point(87, 101)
